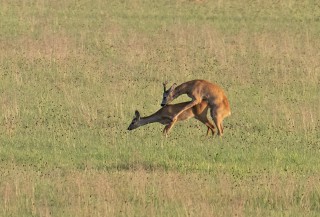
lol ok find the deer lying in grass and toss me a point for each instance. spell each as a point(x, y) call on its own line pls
point(199, 90)
point(166, 113)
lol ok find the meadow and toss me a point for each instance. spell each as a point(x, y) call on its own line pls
point(72, 73)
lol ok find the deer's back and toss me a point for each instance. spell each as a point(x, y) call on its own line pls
point(210, 92)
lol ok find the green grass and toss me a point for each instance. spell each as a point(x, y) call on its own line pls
point(73, 73)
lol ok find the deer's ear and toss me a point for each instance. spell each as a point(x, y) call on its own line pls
point(137, 114)
point(164, 86)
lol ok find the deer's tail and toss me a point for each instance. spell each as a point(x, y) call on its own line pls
point(227, 105)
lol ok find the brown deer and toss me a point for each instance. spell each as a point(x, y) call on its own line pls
point(166, 114)
point(199, 90)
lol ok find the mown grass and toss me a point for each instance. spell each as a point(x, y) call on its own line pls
point(72, 74)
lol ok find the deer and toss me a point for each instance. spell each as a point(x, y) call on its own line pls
point(165, 114)
point(198, 91)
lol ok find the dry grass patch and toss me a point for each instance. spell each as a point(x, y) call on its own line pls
point(154, 193)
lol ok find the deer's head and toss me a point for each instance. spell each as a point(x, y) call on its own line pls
point(135, 121)
point(168, 95)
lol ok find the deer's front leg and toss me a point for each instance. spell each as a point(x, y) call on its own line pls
point(190, 105)
point(168, 128)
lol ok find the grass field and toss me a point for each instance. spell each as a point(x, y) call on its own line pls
point(72, 73)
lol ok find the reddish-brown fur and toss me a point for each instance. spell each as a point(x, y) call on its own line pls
point(199, 90)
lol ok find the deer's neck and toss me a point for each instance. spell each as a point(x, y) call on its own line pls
point(180, 90)
point(149, 119)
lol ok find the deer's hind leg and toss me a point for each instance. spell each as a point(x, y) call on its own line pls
point(217, 119)
point(206, 122)
point(211, 127)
